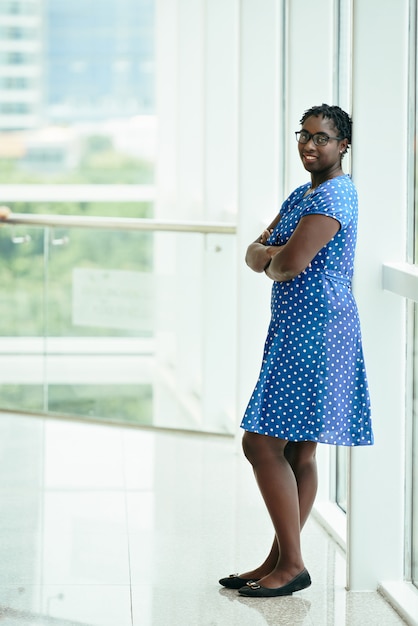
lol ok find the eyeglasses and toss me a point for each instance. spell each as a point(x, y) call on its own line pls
point(319, 139)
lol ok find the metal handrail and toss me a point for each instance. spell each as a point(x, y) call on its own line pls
point(119, 223)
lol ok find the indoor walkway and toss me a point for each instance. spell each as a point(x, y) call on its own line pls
point(106, 526)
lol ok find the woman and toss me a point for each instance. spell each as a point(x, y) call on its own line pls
point(312, 386)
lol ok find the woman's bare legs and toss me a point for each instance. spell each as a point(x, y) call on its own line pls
point(287, 478)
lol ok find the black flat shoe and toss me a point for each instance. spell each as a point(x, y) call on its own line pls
point(254, 590)
point(233, 581)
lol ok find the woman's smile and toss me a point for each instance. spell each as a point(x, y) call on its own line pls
point(309, 158)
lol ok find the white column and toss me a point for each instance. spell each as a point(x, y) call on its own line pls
point(197, 94)
point(197, 89)
point(180, 46)
point(221, 109)
point(220, 194)
point(259, 115)
point(166, 87)
point(380, 105)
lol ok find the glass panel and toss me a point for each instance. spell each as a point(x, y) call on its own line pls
point(22, 318)
point(139, 327)
point(99, 324)
point(414, 449)
point(341, 482)
point(411, 441)
point(343, 83)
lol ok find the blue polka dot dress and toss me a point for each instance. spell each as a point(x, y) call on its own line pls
point(312, 385)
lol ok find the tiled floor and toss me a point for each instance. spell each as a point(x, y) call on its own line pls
point(104, 526)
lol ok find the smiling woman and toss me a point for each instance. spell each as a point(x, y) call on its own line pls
point(322, 145)
point(312, 386)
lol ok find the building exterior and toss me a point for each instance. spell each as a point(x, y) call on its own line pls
point(98, 59)
point(64, 62)
point(21, 63)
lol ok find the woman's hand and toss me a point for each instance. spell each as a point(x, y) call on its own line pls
point(312, 233)
point(258, 253)
point(4, 212)
point(265, 235)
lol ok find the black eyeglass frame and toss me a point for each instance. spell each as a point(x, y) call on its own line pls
point(315, 137)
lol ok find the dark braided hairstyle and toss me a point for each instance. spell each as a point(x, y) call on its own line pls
point(342, 121)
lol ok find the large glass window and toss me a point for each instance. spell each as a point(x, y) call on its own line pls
point(343, 98)
point(412, 461)
point(96, 324)
point(77, 94)
point(411, 551)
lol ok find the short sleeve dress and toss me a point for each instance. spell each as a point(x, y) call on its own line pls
point(312, 384)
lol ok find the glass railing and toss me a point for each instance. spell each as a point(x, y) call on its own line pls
point(129, 321)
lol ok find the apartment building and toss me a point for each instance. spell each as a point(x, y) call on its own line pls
point(99, 59)
point(65, 61)
point(21, 64)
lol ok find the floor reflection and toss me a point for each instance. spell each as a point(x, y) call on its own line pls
point(106, 526)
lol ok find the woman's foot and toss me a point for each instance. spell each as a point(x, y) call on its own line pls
point(268, 565)
point(297, 583)
point(279, 577)
point(234, 581)
point(256, 574)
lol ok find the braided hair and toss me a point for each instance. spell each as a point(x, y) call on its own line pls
point(342, 121)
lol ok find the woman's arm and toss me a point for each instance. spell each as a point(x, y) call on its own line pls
point(259, 255)
point(311, 234)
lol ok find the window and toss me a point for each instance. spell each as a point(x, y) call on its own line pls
point(17, 33)
point(343, 97)
point(89, 95)
point(16, 82)
point(411, 548)
point(16, 57)
point(16, 7)
point(14, 108)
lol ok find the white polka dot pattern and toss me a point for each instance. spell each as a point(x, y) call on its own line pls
point(312, 385)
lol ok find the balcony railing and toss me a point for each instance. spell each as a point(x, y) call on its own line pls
point(123, 320)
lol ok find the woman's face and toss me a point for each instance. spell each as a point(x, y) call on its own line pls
point(322, 159)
